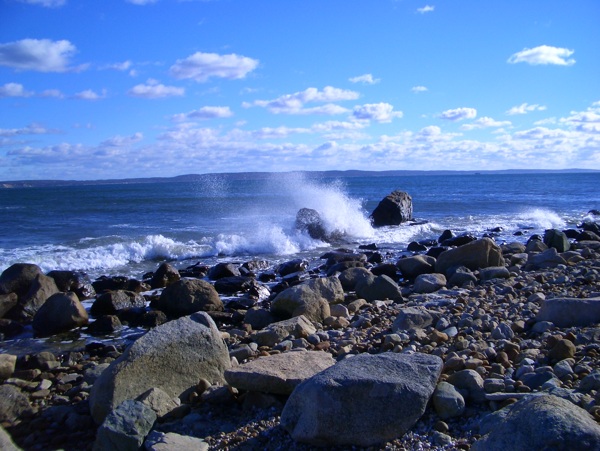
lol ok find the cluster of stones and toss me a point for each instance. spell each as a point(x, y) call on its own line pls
point(469, 342)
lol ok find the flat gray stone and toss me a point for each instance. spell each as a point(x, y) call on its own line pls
point(569, 312)
point(125, 428)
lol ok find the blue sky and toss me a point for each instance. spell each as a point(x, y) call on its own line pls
point(138, 88)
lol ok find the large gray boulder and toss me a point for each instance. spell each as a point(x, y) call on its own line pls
point(362, 400)
point(310, 299)
point(477, 254)
point(125, 428)
point(570, 312)
point(414, 266)
point(188, 296)
point(173, 357)
point(539, 422)
point(297, 327)
point(394, 209)
point(410, 319)
point(556, 239)
point(18, 278)
point(112, 302)
point(378, 288)
point(279, 373)
point(41, 288)
point(428, 283)
point(60, 313)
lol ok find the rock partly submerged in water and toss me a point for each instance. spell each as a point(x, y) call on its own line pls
point(394, 209)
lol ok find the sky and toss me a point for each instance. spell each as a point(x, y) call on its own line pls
point(147, 88)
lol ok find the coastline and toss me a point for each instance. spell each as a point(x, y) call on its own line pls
point(487, 328)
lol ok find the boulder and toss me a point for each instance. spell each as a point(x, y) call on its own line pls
point(470, 381)
point(173, 357)
point(410, 319)
point(362, 400)
point(279, 373)
point(428, 283)
point(188, 296)
point(112, 302)
point(570, 312)
point(298, 327)
point(234, 284)
point(159, 441)
point(351, 276)
point(7, 302)
point(164, 276)
point(41, 288)
point(18, 278)
point(477, 254)
point(414, 266)
point(292, 266)
point(394, 209)
point(546, 259)
point(75, 281)
point(311, 299)
point(158, 400)
point(258, 318)
point(378, 288)
point(7, 365)
point(494, 272)
point(539, 422)
point(447, 401)
point(125, 428)
point(221, 270)
point(13, 404)
point(460, 276)
point(60, 313)
point(309, 221)
point(556, 239)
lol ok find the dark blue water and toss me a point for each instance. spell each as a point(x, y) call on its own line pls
point(130, 228)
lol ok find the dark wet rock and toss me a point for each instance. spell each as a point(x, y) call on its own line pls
point(112, 302)
point(413, 246)
point(386, 393)
point(309, 221)
point(10, 328)
point(13, 404)
point(292, 266)
point(234, 284)
point(556, 239)
point(114, 283)
point(75, 281)
point(188, 296)
point(105, 324)
point(539, 422)
point(197, 271)
point(351, 276)
point(41, 288)
point(258, 318)
point(378, 288)
point(587, 236)
point(7, 302)
point(394, 209)
point(221, 270)
point(172, 357)
point(165, 275)
point(387, 269)
point(60, 313)
point(474, 255)
point(343, 266)
point(458, 240)
point(17, 278)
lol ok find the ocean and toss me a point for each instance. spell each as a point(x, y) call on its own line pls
point(130, 228)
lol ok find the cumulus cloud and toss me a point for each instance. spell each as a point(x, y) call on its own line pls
point(123, 66)
point(418, 89)
point(201, 67)
point(543, 54)
point(122, 141)
point(14, 90)
point(89, 94)
point(32, 129)
point(46, 3)
point(458, 114)
point(206, 112)
point(485, 122)
point(294, 103)
point(525, 108)
point(366, 79)
point(152, 89)
point(55, 93)
point(585, 121)
point(380, 112)
point(42, 55)
point(426, 9)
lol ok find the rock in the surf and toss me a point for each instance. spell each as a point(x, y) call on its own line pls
point(41, 288)
point(17, 278)
point(188, 296)
point(556, 239)
point(75, 281)
point(386, 393)
point(60, 313)
point(165, 275)
point(112, 302)
point(173, 357)
point(394, 209)
point(309, 220)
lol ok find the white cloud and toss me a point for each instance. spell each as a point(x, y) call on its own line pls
point(366, 79)
point(380, 112)
point(42, 55)
point(125, 65)
point(152, 89)
point(32, 129)
point(46, 3)
point(202, 66)
point(122, 141)
point(458, 114)
point(418, 89)
point(294, 103)
point(206, 112)
point(525, 108)
point(485, 122)
point(52, 93)
point(89, 94)
point(14, 90)
point(544, 54)
point(425, 9)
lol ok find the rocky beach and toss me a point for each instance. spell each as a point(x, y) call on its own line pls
point(458, 342)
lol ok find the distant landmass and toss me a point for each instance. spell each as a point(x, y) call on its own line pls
point(258, 175)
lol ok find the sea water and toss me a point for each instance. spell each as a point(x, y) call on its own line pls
point(130, 228)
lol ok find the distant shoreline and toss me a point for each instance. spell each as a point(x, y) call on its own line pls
point(10, 184)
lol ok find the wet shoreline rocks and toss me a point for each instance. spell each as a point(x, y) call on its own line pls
point(506, 336)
